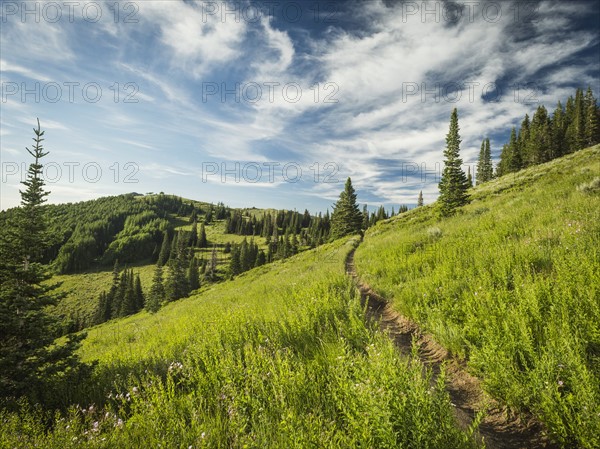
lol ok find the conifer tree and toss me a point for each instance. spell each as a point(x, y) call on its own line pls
point(453, 184)
point(193, 275)
point(346, 218)
point(592, 129)
point(469, 177)
point(194, 235)
point(420, 199)
point(484, 164)
point(157, 291)
point(558, 129)
point(202, 241)
point(523, 142)
point(30, 361)
point(139, 294)
point(165, 250)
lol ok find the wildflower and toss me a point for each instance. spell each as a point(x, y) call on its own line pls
point(203, 435)
point(134, 390)
point(560, 383)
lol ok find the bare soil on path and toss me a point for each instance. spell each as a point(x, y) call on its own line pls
point(499, 428)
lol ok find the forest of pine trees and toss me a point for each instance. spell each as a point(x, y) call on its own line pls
point(548, 136)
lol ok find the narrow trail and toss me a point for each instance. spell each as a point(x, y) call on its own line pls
point(499, 428)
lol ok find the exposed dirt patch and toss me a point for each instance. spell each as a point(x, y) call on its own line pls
point(499, 428)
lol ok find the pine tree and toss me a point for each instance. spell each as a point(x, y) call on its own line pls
point(128, 304)
point(202, 241)
point(31, 363)
point(420, 199)
point(157, 291)
point(165, 250)
point(139, 294)
point(453, 184)
point(523, 142)
point(346, 218)
point(194, 235)
point(469, 177)
point(193, 275)
point(235, 265)
point(592, 129)
point(558, 130)
point(484, 164)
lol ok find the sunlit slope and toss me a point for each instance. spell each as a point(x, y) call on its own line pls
point(512, 283)
point(279, 357)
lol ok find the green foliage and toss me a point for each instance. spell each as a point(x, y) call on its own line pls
point(485, 169)
point(31, 365)
point(278, 358)
point(512, 285)
point(157, 294)
point(346, 218)
point(453, 184)
point(548, 137)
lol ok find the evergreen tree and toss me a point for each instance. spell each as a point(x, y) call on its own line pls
point(235, 266)
point(193, 275)
point(592, 129)
point(420, 199)
point(261, 258)
point(157, 291)
point(558, 129)
point(165, 250)
point(202, 240)
point(140, 300)
point(365, 223)
point(523, 142)
point(346, 218)
point(30, 361)
point(484, 163)
point(128, 304)
point(453, 185)
point(194, 235)
point(540, 142)
point(103, 309)
point(469, 177)
point(176, 285)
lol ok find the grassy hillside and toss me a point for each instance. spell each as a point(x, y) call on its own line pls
point(280, 357)
point(512, 283)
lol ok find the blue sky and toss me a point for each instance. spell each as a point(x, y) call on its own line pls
point(274, 104)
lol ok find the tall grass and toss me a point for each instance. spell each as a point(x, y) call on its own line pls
point(280, 357)
point(513, 285)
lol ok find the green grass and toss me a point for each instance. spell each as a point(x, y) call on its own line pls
point(512, 283)
point(279, 357)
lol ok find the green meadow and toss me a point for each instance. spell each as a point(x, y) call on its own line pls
point(511, 284)
point(279, 357)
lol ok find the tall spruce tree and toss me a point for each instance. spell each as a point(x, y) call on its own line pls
point(346, 218)
point(202, 241)
point(157, 291)
point(165, 250)
point(31, 364)
point(420, 199)
point(592, 129)
point(484, 164)
point(453, 184)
